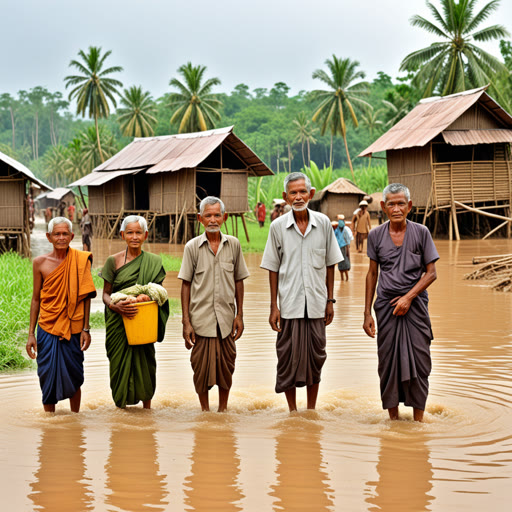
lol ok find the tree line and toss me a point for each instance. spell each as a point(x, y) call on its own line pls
point(329, 125)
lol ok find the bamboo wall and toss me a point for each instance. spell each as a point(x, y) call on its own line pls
point(411, 167)
point(472, 182)
point(12, 204)
point(108, 198)
point(234, 191)
point(170, 192)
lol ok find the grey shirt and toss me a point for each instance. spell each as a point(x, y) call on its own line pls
point(301, 262)
point(212, 278)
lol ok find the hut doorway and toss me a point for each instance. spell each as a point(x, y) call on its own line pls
point(140, 192)
point(208, 184)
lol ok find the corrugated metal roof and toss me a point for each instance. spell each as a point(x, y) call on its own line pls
point(340, 186)
point(57, 193)
point(24, 170)
point(174, 152)
point(432, 116)
point(469, 137)
point(99, 178)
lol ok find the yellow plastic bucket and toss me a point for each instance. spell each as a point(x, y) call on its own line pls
point(143, 328)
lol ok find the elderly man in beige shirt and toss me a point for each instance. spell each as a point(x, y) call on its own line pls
point(212, 273)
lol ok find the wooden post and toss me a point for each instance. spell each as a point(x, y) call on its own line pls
point(245, 227)
point(450, 226)
point(455, 223)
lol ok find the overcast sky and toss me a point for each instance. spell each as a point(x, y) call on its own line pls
point(254, 42)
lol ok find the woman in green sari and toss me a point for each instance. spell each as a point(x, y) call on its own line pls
point(132, 367)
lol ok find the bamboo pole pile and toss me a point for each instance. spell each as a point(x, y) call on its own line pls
point(497, 271)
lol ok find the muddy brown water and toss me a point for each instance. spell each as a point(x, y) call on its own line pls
point(258, 457)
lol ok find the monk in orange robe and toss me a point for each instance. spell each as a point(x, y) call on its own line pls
point(61, 302)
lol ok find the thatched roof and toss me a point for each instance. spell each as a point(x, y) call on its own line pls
point(172, 153)
point(433, 116)
point(340, 186)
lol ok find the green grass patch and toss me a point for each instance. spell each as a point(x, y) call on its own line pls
point(171, 263)
point(97, 320)
point(15, 298)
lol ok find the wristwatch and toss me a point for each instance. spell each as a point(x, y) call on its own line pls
point(332, 300)
point(87, 330)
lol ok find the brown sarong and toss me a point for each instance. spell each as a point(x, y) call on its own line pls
point(213, 362)
point(301, 353)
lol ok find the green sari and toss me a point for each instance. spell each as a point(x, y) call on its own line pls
point(132, 367)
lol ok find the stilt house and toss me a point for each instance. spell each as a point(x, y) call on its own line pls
point(15, 181)
point(164, 179)
point(341, 196)
point(453, 153)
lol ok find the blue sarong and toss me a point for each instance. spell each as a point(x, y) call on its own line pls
point(60, 366)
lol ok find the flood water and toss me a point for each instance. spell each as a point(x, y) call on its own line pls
point(346, 456)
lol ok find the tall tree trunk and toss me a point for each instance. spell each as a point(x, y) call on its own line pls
point(370, 161)
point(37, 136)
point(330, 152)
point(33, 147)
point(52, 130)
point(348, 157)
point(98, 138)
point(13, 130)
point(309, 154)
point(303, 158)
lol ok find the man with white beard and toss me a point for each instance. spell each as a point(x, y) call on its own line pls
point(212, 274)
point(300, 255)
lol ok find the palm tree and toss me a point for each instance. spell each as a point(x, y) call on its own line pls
point(342, 98)
point(304, 134)
point(75, 169)
point(456, 63)
point(55, 162)
point(136, 117)
point(372, 122)
point(196, 107)
point(93, 88)
point(90, 144)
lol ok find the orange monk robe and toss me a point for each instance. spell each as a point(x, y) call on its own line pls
point(63, 293)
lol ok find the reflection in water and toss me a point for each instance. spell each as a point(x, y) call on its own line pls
point(133, 473)
point(302, 482)
point(60, 480)
point(405, 476)
point(213, 482)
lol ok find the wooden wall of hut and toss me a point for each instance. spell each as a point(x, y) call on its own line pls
point(172, 192)
point(334, 204)
point(412, 168)
point(234, 191)
point(476, 118)
point(12, 204)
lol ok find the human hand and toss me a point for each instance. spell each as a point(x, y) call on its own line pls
point(238, 328)
point(369, 325)
point(85, 340)
point(329, 313)
point(31, 346)
point(127, 309)
point(402, 305)
point(275, 319)
point(189, 335)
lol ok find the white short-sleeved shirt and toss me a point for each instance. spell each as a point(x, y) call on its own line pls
point(301, 262)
